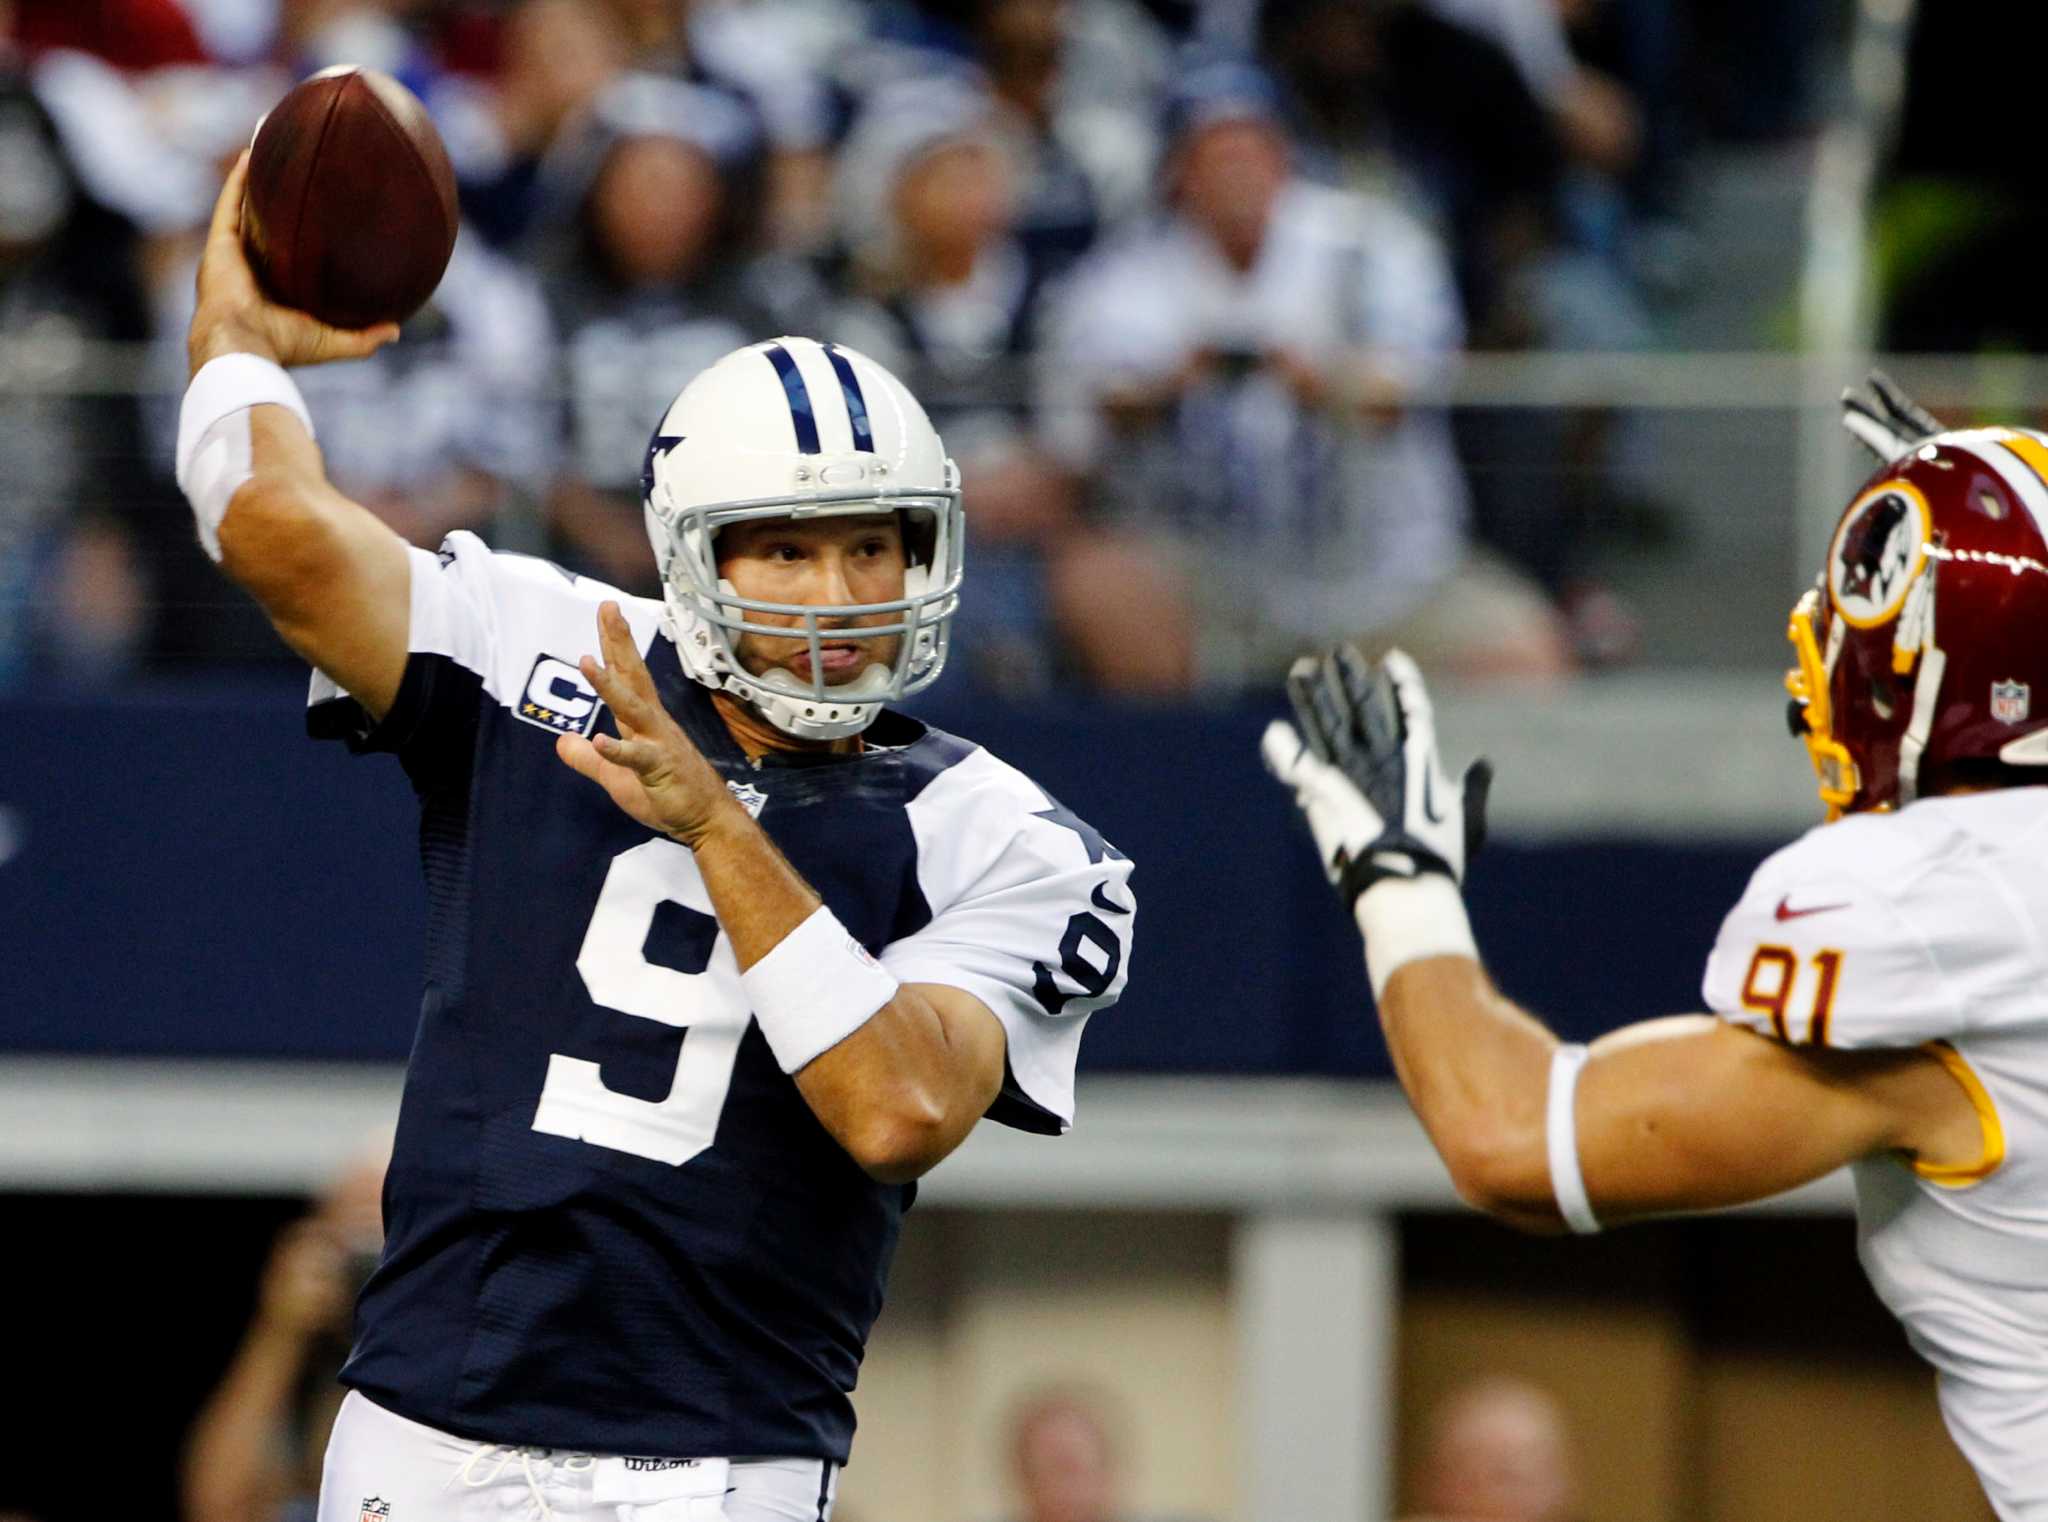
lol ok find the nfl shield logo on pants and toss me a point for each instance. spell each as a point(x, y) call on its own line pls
point(2010, 702)
point(375, 1509)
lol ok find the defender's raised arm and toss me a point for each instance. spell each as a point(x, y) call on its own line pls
point(1686, 1113)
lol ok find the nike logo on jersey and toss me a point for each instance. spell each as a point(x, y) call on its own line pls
point(1787, 912)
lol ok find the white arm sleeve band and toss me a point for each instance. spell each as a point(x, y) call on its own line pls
point(214, 452)
point(816, 988)
point(1565, 1181)
point(1404, 920)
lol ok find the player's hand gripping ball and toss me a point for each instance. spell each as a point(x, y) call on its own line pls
point(1365, 770)
point(349, 211)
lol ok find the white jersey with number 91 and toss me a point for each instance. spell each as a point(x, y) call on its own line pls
point(1929, 927)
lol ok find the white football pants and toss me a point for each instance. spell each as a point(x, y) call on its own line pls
point(383, 1468)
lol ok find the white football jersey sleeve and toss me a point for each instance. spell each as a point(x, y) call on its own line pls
point(1032, 913)
point(1929, 928)
point(1834, 943)
point(491, 611)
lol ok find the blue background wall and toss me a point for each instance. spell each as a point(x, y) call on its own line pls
point(193, 877)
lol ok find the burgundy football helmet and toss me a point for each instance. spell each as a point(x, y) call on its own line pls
point(1925, 639)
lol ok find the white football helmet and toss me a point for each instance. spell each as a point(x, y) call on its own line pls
point(793, 428)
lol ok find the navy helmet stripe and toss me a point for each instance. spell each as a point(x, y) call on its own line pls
point(856, 404)
point(799, 397)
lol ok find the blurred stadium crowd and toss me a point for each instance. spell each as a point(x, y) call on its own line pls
point(1182, 282)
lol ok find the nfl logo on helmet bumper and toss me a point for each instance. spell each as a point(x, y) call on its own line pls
point(2011, 702)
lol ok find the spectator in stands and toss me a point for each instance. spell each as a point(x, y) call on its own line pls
point(254, 1452)
point(759, 56)
point(1250, 381)
point(649, 283)
point(554, 58)
point(1637, 48)
point(67, 280)
point(1072, 83)
point(1392, 93)
point(1084, 165)
point(1605, 72)
point(90, 618)
point(951, 303)
point(1065, 1460)
point(1597, 122)
point(1497, 1451)
point(1385, 94)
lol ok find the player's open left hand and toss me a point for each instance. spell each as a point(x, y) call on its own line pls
point(652, 770)
point(1365, 770)
point(233, 316)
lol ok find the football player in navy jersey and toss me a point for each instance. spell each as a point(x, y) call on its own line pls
point(689, 1035)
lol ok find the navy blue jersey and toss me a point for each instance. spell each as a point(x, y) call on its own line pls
point(612, 1223)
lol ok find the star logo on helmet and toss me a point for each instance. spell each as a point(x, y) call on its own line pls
point(657, 447)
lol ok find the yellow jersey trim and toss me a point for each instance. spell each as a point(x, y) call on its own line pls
point(1962, 1175)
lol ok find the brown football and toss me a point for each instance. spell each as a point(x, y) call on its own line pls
point(349, 210)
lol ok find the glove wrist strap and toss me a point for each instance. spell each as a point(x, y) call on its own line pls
point(1406, 919)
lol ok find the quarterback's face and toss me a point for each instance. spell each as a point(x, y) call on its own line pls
point(819, 563)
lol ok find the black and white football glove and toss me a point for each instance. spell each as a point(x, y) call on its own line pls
point(1365, 770)
point(1887, 422)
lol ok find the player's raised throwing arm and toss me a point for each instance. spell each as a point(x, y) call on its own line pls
point(1677, 1114)
point(332, 577)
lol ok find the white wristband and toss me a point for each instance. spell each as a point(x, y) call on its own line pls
point(1566, 1184)
point(214, 450)
point(816, 988)
point(1406, 919)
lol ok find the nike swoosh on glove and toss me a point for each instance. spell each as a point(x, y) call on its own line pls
point(1365, 771)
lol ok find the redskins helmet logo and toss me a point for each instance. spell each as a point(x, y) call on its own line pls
point(1880, 549)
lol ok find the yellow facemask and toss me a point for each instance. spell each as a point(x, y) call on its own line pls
point(1808, 684)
